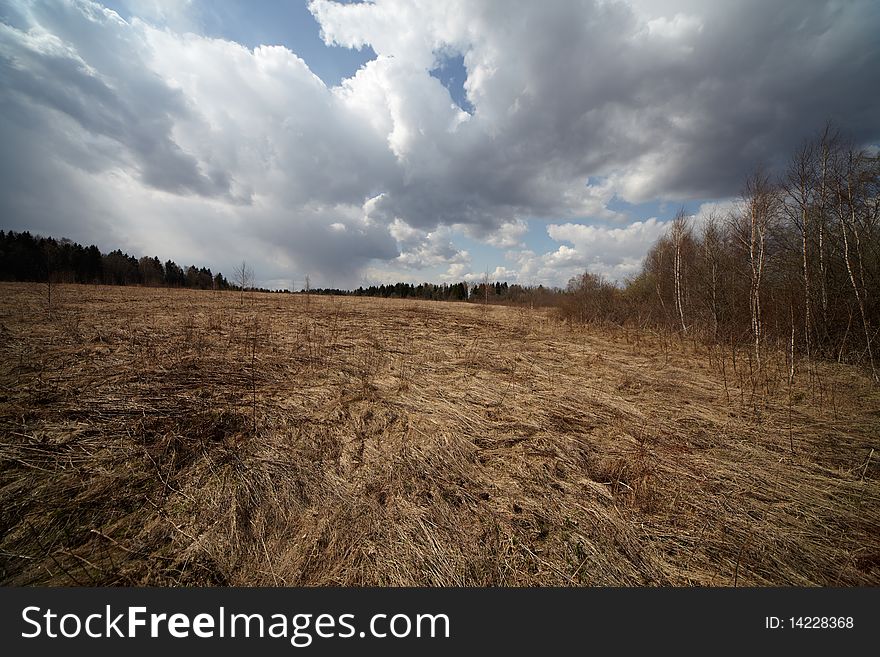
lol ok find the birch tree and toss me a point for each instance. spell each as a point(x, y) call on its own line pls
point(679, 233)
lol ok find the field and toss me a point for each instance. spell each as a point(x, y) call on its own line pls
point(175, 437)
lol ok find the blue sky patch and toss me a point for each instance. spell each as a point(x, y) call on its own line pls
point(452, 74)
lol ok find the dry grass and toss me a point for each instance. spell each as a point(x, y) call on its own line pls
point(171, 437)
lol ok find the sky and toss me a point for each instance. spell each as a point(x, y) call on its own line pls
point(412, 140)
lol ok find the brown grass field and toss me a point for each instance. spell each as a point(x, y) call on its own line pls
point(173, 437)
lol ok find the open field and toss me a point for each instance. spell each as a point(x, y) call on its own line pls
point(173, 437)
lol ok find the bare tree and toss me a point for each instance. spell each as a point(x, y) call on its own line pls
point(760, 208)
point(679, 233)
point(711, 251)
point(852, 176)
point(243, 277)
point(655, 266)
point(50, 252)
point(808, 202)
point(486, 287)
point(800, 190)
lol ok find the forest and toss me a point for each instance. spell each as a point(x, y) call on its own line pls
point(794, 263)
point(26, 257)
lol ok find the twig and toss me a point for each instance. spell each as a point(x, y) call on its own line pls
point(268, 561)
point(865, 469)
point(738, 557)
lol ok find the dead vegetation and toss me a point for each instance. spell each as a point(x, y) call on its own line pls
point(172, 437)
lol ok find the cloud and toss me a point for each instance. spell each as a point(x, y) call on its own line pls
point(144, 134)
point(507, 235)
point(422, 249)
point(614, 252)
point(130, 113)
point(718, 210)
point(682, 108)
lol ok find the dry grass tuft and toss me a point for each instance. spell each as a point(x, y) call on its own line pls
point(173, 437)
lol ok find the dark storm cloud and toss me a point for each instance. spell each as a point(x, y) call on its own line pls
point(672, 107)
point(765, 76)
point(331, 244)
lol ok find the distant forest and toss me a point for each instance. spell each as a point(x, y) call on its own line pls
point(25, 257)
point(487, 291)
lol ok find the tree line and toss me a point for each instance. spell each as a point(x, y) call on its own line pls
point(498, 292)
point(461, 291)
point(32, 258)
point(794, 263)
point(26, 257)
